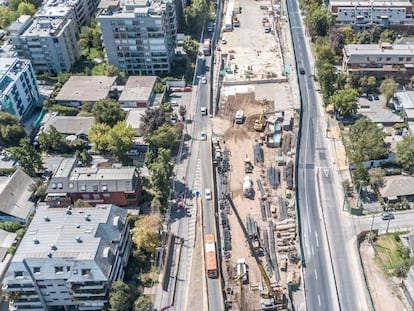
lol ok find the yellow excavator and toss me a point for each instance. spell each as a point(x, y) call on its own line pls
point(259, 123)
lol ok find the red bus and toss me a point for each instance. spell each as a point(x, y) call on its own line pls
point(207, 47)
point(211, 256)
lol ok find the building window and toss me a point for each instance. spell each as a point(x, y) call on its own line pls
point(95, 187)
point(104, 187)
point(400, 59)
point(18, 274)
point(36, 270)
point(53, 185)
point(86, 272)
point(58, 269)
point(408, 59)
point(71, 185)
point(83, 187)
point(388, 59)
point(60, 185)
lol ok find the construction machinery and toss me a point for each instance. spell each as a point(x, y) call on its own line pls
point(248, 166)
point(259, 123)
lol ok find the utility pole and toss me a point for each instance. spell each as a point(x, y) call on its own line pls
point(370, 231)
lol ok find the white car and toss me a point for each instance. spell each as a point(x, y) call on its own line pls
point(203, 136)
point(207, 194)
point(223, 41)
point(204, 80)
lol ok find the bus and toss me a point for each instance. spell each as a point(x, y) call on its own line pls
point(211, 256)
point(207, 47)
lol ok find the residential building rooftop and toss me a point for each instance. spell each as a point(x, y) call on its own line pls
point(86, 88)
point(138, 88)
point(379, 49)
point(370, 3)
point(15, 195)
point(397, 186)
point(68, 125)
point(46, 27)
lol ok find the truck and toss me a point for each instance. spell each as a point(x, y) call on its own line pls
point(239, 118)
point(210, 256)
point(241, 269)
point(207, 47)
point(247, 187)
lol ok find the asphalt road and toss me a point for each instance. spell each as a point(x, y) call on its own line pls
point(330, 281)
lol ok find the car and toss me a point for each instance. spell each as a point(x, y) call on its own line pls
point(302, 70)
point(207, 194)
point(204, 80)
point(203, 136)
point(387, 216)
point(376, 97)
point(174, 103)
point(370, 98)
point(223, 41)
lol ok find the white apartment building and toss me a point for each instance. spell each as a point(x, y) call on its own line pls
point(380, 60)
point(68, 259)
point(364, 13)
point(19, 92)
point(139, 36)
point(80, 10)
point(50, 43)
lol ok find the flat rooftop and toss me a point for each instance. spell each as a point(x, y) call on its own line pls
point(376, 49)
point(374, 3)
point(138, 88)
point(86, 88)
point(374, 111)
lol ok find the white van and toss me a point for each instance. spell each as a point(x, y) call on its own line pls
point(242, 272)
point(203, 111)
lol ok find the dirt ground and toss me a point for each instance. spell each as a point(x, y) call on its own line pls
point(384, 291)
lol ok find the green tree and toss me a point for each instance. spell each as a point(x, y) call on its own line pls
point(160, 183)
point(99, 137)
point(191, 48)
point(26, 8)
point(388, 35)
point(182, 111)
point(146, 232)
point(85, 39)
point(345, 101)
point(108, 111)
point(387, 89)
point(324, 53)
point(38, 188)
point(319, 22)
point(365, 141)
point(405, 153)
point(151, 120)
point(11, 131)
point(349, 34)
point(119, 297)
point(143, 303)
point(376, 177)
point(361, 175)
point(84, 157)
point(120, 140)
point(195, 15)
point(163, 137)
point(337, 39)
point(29, 159)
point(52, 141)
point(327, 77)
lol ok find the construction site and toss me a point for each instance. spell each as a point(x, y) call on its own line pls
point(254, 139)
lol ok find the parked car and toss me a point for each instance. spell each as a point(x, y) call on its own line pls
point(203, 136)
point(376, 97)
point(204, 80)
point(302, 70)
point(387, 216)
point(370, 98)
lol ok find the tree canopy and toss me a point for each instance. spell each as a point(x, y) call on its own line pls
point(29, 159)
point(108, 111)
point(376, 177)
point(119, 297)
point(405, 153)
point(365, 141)
point(151, 120)
point(11, 131)
point(146, 232)
point(52, 141)
point(143, 303)
point(195, 15)
point(345, 101)
point(387, 89)
point(319, 22)
point(191, 48)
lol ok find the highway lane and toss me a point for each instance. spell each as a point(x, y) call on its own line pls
point(345, 291)
point(215, 298)
point(318, 279)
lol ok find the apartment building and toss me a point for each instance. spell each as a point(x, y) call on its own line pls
point(139, 36)
point(117, 184)
point(363, 14)
point(380, 60)
point(19, 92)
point(49, 42)
point(68, 258)
point(81, 11)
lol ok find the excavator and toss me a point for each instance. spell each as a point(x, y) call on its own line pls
point(259, 123)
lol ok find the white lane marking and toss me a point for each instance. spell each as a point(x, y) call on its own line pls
point(316, 237)
point(312, 250)
point(319, 300)
point(316, 276)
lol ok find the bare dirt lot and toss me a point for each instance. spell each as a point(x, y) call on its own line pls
point(384, 291)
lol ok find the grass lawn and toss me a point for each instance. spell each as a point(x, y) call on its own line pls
point(388, 255)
